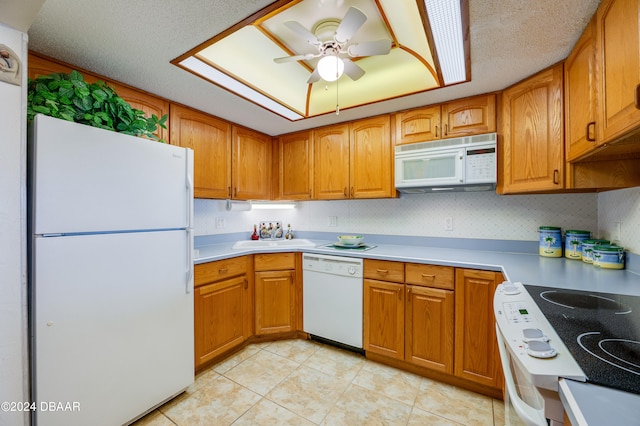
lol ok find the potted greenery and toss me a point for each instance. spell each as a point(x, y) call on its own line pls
point(69, 97)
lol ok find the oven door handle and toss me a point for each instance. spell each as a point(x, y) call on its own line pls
point(529, 415)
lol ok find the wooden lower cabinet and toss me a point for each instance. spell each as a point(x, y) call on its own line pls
point(275, 293)
point(384, 318)
point(476, 347)
point(429, 328)
point(222, 308)
point(413, 323)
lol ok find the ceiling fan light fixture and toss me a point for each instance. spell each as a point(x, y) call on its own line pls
point(330, 68)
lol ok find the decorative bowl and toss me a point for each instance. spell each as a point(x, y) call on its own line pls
point(350, 240)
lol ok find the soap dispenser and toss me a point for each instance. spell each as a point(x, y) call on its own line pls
point(255, 235)
point(289, 234)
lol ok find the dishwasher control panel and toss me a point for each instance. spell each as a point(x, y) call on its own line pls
point(336, 265)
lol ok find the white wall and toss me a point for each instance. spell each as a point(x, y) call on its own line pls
point(13, 335)
point(623, 207)
point(481, 215)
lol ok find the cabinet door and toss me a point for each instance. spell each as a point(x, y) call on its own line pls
point(580, 92)
point(371, 158)
point(384, 318)
point(210, 139)
point(251, 170)
point(331, 162)
point(532, 149)
point(417, 125)
point(220, 314)
point(618, 55)
point(275, 302)
point(429, 328)
point(470, 116)
point(476, 354)
point(295, 164)
point(147, 103)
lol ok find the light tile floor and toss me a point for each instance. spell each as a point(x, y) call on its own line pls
point(298, 382)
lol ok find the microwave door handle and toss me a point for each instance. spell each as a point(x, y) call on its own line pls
point(529, 415)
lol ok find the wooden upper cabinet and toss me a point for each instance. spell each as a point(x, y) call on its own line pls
point(463, 117)
point(580, 96)
point(371, 159)
point(618, 68)
point(417, 125)
point(39, 65)
point(210, 139)
point(149, 104)
point(331, 162)
point(476, 354)
point(532, 152)
point(251, 164)
point(295, 166)
point(470, 116)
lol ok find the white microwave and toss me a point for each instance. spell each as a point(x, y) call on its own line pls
point(457, 164)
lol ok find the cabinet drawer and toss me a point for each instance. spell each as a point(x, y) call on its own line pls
point(220, 269)
point(384, 270)
point(274, 261)
point(430, 275)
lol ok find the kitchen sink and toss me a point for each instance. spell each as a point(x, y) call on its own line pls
point(269, 244)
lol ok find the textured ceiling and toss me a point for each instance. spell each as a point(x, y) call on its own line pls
point(133, 41)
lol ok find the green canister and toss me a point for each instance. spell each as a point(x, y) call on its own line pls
point(573, 243)
point(550, 241)
point(587, 249)
point(608, 256)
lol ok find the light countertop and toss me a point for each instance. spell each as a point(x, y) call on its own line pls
point(585, 403)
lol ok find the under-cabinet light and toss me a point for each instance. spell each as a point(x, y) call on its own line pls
point(257, 205)
point(445, 19)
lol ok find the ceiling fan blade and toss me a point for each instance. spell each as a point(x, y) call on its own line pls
point(297, 28)
point(370, 48)
point(305, 57)
point(314, 77)
point(352, 69)
point(351, 23)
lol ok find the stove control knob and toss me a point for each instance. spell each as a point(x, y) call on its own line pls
point(530, 334)
point(540, 349)
point(510, 288)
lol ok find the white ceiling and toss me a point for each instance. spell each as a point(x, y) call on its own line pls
point(132, 41)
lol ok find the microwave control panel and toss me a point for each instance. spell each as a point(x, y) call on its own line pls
point(481, 164)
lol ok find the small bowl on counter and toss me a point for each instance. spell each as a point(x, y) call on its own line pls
point(350, 240)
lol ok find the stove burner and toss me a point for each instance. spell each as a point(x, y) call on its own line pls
point(584, 301)
point(621, 353)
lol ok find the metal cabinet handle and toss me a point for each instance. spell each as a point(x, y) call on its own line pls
point(589, 126)
point(446, 129)
point(556, 175)
point(382, 271)
point(246, 284)
point(229, 191)
point(431, 276)
point(352, 192)
point(437, 131)
point(223, 271)
point(637, 96)
point(345, 192)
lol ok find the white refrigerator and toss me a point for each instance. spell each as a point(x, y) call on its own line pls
point(111, 273)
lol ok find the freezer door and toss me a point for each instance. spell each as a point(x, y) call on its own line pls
point(85, 179)
point(112, 325)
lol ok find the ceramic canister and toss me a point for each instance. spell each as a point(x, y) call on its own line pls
point(573, 243)
point(550, 241)
point(608, 257)
point(587, 249)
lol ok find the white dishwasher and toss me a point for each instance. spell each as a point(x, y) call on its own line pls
point(332, 298)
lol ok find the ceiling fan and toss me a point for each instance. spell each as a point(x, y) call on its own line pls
point(334, 51)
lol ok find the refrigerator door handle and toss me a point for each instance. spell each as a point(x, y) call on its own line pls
point(189, 176)
point(190, 267)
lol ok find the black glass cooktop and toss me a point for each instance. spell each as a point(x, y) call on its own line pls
point(601, 330)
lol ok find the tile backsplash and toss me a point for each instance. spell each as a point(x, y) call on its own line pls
point(623, 207)
point(481, 215)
